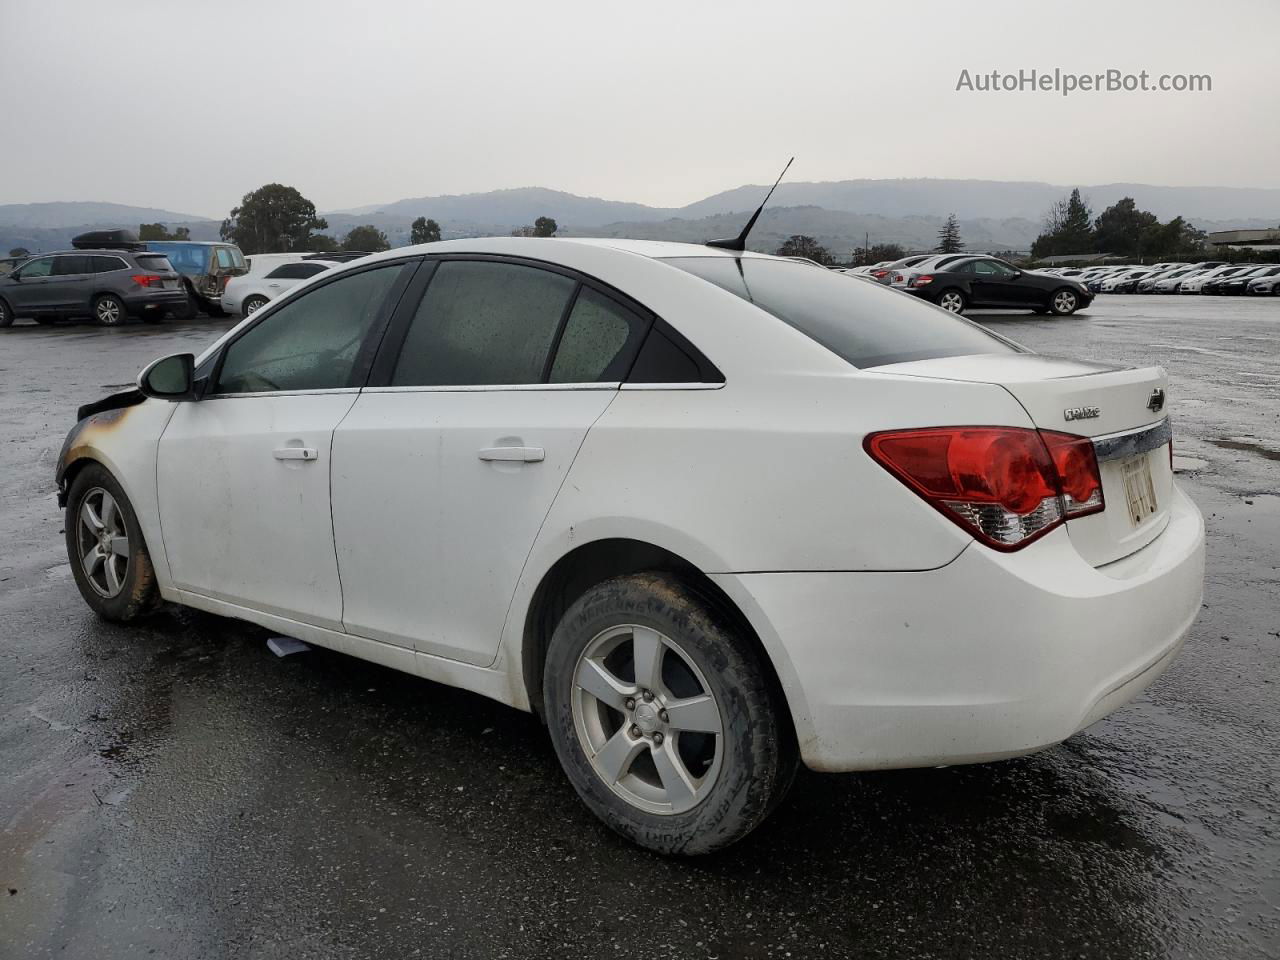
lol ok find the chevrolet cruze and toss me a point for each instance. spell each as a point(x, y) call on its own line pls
point(709, 514)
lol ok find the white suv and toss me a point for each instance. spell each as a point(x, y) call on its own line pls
point(707, 513)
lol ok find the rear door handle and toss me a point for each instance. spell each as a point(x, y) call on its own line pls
point(295, 453)
point(517, 454)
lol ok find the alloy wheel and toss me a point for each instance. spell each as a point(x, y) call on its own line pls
point(253, 305)
point(1064, 302)
point(103, 541)
point(951, 301)
point(108, 311)
point(647, 720)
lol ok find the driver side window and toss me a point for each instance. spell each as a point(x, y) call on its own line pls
point(38, 268)
point(312, 342)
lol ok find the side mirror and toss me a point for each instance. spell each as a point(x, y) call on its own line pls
point(169, 378)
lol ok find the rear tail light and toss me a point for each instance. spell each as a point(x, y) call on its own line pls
point(879, 273)
point(1007, 486)
point(146, 279)
point(922, 281)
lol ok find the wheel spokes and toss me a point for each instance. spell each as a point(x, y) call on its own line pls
point(694, 715)
point(120, 546)
point(90, 518)
point(91, 561)
point(616, 756)
point(676, 781)
point(646, 651)
point(108, 511)
point(595, 679)
point(113, 575)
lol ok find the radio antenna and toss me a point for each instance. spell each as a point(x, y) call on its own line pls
point(740, 241)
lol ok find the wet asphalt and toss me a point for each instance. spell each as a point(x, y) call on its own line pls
point(175, 790)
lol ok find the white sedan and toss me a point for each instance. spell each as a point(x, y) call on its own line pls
point(708, 514)
point(253, 291)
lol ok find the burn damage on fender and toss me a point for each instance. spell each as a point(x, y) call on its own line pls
point(104, 414)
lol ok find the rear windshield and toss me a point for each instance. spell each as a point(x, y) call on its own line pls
point(154, 261)
point(188, 258)
point(866, 324)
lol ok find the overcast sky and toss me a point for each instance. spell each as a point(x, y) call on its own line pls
point(189, 104)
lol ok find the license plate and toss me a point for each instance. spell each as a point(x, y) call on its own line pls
point(168, 284)
point(1139, 491)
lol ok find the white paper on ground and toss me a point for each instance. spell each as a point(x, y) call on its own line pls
point(283, 646)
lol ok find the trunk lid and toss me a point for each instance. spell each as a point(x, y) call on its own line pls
point(1121, 409)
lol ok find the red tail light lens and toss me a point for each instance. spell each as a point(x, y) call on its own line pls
point(879, 273)
point(922, 281)
point(145, 280)
point(1006, 486)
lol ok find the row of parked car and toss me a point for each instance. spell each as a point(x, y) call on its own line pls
point(1215, 277)
point(111, 276)
point(958, 281)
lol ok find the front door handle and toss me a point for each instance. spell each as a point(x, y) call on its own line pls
point(517, 454)
point(295, 453)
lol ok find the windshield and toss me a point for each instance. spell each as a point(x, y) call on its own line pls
point(189, 258)
point(866, 324)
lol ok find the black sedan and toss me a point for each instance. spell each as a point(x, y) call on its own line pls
point(1239, 284)
point(988, 282)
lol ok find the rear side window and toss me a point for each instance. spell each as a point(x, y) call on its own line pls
point(866, 324)
point(225, 260)
point(70, 266)
point(483, 323)
point(311, 342)
point(109, 264)
point(599, 341)
point(295, 271)
point(189, 258)
point(155, 262)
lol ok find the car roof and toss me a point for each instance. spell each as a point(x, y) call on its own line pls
point(110, 251)
point(546, 247)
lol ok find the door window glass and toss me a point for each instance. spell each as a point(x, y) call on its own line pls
point(312, 342)
point(483, 322)
point(599, 341)
point(38, 268)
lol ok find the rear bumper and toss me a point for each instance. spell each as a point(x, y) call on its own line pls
point(994, 655)
point(155, 300)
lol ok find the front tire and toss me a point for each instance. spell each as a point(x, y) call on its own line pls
point(952, 301)
point(109, 310)
point(1064, 302)
point(665, 720)
point(109, 558)
point(6, 315)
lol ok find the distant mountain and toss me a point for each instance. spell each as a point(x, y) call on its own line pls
point(84, 213)
point(517, 206)
point(996, 198)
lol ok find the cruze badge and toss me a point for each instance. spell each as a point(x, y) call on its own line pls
point(1081, 413)
point(1156, 403)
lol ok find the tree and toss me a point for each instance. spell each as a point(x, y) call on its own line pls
point(158, 231)
point(322, 243)
point(949, 236)
point(1068, 228)
point(1122, 228)
point(798, 245)
point(368, 239)
point(19, 252)
point(542, 227)
point(272, 219)
point(865, 256)
point(423, 230)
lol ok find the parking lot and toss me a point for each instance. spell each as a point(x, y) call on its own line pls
point(176, 789)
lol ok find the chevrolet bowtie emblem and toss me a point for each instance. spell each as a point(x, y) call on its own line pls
point(1156, 402)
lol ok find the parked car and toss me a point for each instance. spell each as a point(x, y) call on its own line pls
point(958, 285)
point(1264, 286)
point(884, 272)
point(244, 295)
point(1239, 284)
point(900, 277)
point(1196, 284)
point(206, 268)
point(1126, 282)
point(108, 285)
point(500, 464)
point(1148, 284)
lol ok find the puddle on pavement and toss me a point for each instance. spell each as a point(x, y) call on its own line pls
point(1249, 445)
point(61, 571)
point(1183, 464)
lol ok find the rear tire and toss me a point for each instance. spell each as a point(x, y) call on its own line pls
point(190, 309)
point(1064, 302)
point(952, 300)
point(109, 310)
point(6, 315)
point(108, 556)
point(689, 781)
point(252, 305)
point(213, 310)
